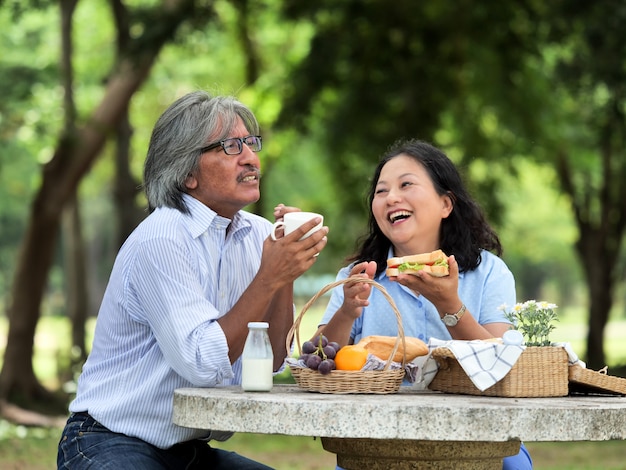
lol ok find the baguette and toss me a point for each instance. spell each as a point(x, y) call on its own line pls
point(381, 347)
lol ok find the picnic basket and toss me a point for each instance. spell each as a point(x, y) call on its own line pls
point(383, 381)
point(540, 371)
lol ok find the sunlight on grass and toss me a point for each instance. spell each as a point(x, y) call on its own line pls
point(53, 335)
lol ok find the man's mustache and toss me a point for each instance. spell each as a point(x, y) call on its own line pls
point(247, 171)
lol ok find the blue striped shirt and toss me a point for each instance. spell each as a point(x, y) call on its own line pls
point(482, 290)
point(156, 330)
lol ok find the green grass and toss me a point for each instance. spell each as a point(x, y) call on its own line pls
point(299, 453)
point(607, 455)
point(27, 448)
point(35, 449)
point(53, 334)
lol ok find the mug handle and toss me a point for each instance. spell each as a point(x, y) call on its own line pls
point(276, 225)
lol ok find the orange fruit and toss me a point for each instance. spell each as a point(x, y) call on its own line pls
point(351, 357)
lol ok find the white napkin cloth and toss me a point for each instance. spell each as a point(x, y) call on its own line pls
point(572, 358)
point(485, 363)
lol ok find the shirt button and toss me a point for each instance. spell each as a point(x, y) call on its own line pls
point(420, 304)
point(421, 336)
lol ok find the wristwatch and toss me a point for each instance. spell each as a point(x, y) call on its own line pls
point(451, 319)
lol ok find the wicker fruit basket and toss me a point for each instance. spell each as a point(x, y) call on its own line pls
point(540, 371)
point(344, 381)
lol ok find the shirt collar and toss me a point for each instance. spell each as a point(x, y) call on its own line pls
point(202, 217)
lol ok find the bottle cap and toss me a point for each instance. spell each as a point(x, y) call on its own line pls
point(258, 324)
point(513, 337)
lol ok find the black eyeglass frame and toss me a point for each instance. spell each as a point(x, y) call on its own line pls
point(240, 140)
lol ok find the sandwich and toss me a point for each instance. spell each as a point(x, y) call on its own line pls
point(434, 263)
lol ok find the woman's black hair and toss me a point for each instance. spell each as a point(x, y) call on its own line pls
point(464, 233)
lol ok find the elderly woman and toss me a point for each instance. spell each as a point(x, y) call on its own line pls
point(418, 204)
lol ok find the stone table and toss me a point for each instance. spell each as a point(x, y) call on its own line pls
point(409, 429)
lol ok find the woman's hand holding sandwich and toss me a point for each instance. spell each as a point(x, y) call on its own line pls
point(441, 291)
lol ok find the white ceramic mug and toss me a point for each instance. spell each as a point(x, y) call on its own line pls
point(292, 220)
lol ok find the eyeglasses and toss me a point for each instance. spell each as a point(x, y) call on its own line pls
point(234, 146)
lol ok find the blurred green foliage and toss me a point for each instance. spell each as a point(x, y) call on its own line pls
point(332, 89)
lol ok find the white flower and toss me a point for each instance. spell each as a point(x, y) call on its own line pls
point(534, 319)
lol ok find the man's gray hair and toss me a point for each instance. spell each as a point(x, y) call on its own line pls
point(189, 124)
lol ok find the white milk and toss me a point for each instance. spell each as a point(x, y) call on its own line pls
point(257, 374)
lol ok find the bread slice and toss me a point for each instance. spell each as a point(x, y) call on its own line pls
point(381, 347)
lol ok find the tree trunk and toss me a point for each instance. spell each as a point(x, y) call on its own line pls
point(17, 379)
point(126, 187)
point(601, 219)
point(72, 159)
point(75, 279)
point(598, 266)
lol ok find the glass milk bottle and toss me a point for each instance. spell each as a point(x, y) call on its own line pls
point(257, 359)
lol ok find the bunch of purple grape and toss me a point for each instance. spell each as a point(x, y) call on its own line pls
point(320, 355)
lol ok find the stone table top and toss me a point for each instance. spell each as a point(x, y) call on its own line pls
point(408, 414)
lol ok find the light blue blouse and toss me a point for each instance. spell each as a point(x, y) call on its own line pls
point(483, 290)
point(156, 330)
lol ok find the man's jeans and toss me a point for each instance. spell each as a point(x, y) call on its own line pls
point(86, 444)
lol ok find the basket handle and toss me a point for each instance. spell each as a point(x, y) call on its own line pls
point(295, 328)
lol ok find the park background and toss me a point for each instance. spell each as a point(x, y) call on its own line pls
point(528, 99)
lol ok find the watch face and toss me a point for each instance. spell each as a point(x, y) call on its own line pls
point(450, 320)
